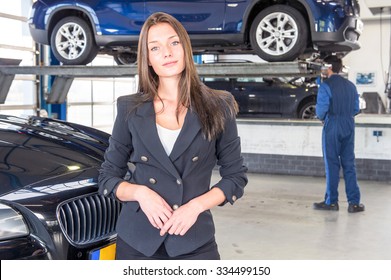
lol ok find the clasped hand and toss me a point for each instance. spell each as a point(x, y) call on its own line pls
point(162, 217)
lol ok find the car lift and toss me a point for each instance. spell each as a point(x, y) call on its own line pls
point(65, 74)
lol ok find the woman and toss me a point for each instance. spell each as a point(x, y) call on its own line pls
point(173, 131)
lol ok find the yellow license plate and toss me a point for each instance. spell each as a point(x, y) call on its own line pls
point(105, 253)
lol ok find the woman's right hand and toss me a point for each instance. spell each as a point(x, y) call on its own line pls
point(151, 203)
point(154, 206)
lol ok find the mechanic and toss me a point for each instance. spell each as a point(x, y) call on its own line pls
point(337, 104)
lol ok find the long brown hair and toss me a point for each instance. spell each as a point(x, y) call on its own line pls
point(213, 107)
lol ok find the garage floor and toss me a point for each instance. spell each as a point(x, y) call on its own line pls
point(274, 220)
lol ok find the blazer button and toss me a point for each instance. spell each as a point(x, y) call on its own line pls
point(144, 158)
point(178, 181)
point(234, 198)
point(152, 180)
point(194, 159)
point(175, 207)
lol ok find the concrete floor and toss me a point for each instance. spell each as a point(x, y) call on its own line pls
point(274, 220)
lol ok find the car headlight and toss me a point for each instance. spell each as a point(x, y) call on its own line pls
point(12, 224)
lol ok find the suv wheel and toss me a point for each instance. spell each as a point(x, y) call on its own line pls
point(125, 58)
point(279, 33)
point(307, 111)
point(72, 41)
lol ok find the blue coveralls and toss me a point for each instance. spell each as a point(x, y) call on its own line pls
point(337, 104)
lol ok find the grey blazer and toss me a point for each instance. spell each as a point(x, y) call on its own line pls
point(178, 178)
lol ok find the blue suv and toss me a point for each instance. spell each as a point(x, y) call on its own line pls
point(275, 30)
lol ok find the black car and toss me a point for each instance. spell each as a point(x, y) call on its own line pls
point(49, 204)
point(270, 97)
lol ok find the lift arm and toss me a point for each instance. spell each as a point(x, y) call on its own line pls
point(64, 75)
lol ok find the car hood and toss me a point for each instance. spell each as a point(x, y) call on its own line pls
point(50, 191)
point(36, 151)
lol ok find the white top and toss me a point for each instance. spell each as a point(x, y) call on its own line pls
point(167, 137)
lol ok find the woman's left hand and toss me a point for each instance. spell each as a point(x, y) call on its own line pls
point(182, 219)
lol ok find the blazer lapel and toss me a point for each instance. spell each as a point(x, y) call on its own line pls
point(189, 131)
point(145, 125)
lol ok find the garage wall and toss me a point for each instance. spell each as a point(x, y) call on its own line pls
point(294, 147)
point(374, 55)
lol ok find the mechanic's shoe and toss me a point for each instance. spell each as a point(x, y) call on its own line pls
point(354, 208)
point(323, 206)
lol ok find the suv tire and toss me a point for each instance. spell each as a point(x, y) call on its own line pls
point(269, 36)
point(72, 41)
